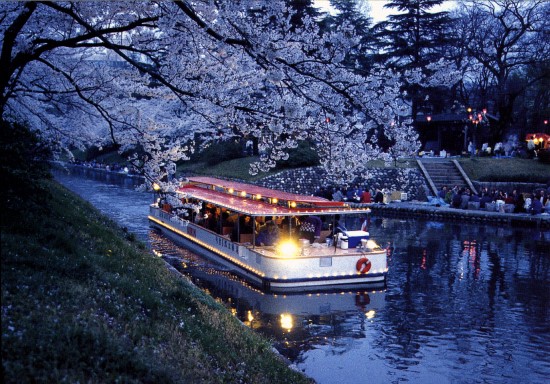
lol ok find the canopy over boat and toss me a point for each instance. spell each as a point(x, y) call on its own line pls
point(259, 201)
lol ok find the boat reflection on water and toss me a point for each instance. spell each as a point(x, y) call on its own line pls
point(294, 320)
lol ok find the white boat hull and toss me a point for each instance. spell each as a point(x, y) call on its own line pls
point(323, 268)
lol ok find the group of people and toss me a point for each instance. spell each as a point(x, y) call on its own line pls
point(264, 231)
point(352, 194)
point(537, 202)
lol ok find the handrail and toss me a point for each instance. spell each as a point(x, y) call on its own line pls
point(465, 177)
point(427, 176)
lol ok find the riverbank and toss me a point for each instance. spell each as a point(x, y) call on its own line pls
point(432, 212)
point(393, 209)
point(82, 301)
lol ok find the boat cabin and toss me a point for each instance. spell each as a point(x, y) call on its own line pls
point(242, 211)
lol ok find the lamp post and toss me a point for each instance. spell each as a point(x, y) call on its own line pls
point(475, 118)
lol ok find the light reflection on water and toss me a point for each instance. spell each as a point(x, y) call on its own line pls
point(464, 303)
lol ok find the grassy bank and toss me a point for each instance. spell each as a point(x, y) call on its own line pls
point(235, 169)
point(83, 302)
point(506, 170)
point(479, 169)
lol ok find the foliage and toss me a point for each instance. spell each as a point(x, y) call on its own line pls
point(155, 77)
point(412, 41)
point(234, 169)
point(505, 40)
point(218, 152)
point(301, 156)
point(166, 72)
point(24, 165)
point(354, 13)
point(80, 303)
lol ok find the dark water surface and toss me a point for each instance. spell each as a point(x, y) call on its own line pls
point(464, 303)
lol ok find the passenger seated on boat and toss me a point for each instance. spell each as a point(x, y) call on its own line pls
point(244, 227)
point(269, 234)
point(365, 223)
point(338, 227)
point(213, 220)
point(161, 201)
point(201, 219)
point(310, 228)
point(289, 224)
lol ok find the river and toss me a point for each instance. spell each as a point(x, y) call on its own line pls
point(464, 303)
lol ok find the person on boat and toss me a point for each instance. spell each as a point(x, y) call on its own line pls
point(269, 234)
point(365, 223)
point(338, 227)
point(310, 228)
point(244, 227)
point(289, 224)
point(213, 220)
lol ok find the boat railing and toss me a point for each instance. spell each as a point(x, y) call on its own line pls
point(246, 240)
point(168, 216)
point(176, 221)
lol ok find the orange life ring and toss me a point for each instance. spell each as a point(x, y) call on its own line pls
point(363, 265)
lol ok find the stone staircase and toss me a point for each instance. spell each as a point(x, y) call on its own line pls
point(441, 172)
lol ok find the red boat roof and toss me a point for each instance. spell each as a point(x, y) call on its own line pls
point(259, 200)
point(251, 189)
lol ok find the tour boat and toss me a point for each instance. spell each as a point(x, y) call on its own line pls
point(226, 220)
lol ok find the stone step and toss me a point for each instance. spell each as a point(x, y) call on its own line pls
point(444, 173)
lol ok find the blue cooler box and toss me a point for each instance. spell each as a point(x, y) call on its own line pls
point(354, 238)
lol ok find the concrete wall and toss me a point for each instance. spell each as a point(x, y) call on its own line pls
point(308, 180)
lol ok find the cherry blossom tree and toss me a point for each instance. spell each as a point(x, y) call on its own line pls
point(157, 75)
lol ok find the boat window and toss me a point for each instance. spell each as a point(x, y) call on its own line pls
point(325, 262)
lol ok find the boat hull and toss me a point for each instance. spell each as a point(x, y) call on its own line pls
point(323, 269)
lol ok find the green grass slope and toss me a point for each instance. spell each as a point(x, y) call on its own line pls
point(83, 302)
point(506, 170)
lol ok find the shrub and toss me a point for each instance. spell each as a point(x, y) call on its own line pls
point(24, 165)
point(219, 152)
point(301, 156)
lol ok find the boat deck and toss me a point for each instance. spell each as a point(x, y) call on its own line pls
point(316, 250)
